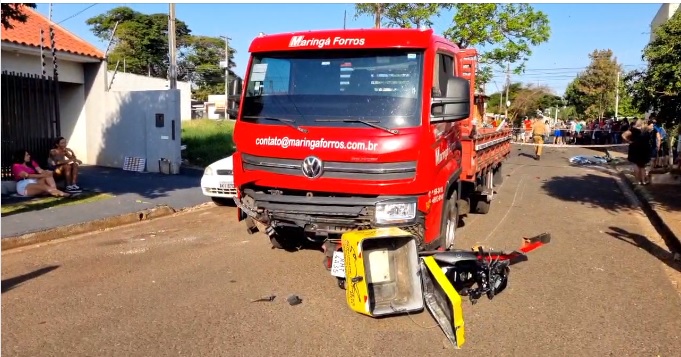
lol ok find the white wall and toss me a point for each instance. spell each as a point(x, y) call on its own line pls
point(67, 71)
point(127, 127)
point(665, 13)
point(72, 117)
point(133, 82)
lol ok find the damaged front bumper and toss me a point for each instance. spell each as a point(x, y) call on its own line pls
point(330, 214)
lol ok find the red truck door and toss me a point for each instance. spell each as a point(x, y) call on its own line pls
point(446, 151)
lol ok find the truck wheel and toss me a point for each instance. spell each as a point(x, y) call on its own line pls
point(452, 219)
point(278, 239)
point(276, 244)
point(482, 206)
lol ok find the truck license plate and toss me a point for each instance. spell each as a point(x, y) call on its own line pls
point(226, 185)
point(338, 265)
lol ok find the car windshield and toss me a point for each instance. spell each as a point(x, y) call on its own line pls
point(335, 88)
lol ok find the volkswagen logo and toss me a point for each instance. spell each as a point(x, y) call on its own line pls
point(312, 167)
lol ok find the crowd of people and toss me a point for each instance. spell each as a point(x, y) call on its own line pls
point(650, 143)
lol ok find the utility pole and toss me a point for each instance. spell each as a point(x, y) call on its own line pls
point(226, 74)
point(345, 16)
point(617, 94)
point(508, 86)
point(234, 92)
point(172, 71)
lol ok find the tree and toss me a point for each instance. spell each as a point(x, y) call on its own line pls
point(658, 87)
point(530, 99)
point(575, 99)
point(375, 9)
point(496, 100)
point(13, 12)
point(592, 92)
point(526, 100)
point(506, 31)
point(399, 15)
point(201, 63)
point(140, 40)
point(625, 106)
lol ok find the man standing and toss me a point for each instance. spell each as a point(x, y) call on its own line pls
point(538, 132)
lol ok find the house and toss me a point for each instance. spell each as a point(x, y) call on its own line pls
point(103, 127)
point(665, 13)
point(36, 107)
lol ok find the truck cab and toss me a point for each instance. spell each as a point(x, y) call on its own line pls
point(354, 129)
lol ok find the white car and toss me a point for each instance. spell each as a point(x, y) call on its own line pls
point(218, 182)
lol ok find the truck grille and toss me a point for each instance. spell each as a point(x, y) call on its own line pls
point(334, 169)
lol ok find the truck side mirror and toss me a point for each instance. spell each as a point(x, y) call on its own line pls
point(456, 105)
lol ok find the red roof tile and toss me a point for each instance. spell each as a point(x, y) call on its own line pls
point(28, 34)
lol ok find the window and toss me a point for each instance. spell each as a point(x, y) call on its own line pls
point(381, 86)
point(443, 70)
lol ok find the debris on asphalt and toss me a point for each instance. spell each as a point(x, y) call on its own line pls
point(265, 298)
point(588, 160)
point(294, 300)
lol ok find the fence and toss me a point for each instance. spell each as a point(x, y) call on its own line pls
point(30, 117)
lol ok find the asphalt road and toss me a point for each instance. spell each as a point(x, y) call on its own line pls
point(183, 286)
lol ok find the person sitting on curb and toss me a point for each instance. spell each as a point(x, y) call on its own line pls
point(31, 179)
point(64, 162)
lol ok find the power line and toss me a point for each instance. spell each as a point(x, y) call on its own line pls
point(76, 14)
point(563, 70)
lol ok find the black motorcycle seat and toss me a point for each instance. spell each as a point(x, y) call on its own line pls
point(454, 256)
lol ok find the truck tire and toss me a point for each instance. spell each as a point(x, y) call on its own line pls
point(481, 206)
point(276, 243)
point(451, 221)
point(280, 239)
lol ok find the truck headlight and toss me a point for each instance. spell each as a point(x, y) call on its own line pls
point(208, 171)
point(395, 212)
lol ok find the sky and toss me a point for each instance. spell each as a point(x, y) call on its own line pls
point(576, 30)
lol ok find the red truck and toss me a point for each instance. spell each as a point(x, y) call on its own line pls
point(354, 129)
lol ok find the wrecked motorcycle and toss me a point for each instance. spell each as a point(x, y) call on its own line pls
point(383, 274)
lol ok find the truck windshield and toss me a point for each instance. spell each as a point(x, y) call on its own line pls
point(323, 88)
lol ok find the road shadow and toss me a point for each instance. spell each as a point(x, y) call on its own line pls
point(643, 242)
point(148, 185)
point(11, 283)
point(594, 191)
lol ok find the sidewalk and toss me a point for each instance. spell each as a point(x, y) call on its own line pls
point(661, 203)
point(133, 192)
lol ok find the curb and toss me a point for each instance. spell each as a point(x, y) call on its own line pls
point(670, 238)
point(87, 227)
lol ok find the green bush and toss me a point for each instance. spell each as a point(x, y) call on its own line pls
point(207, 140)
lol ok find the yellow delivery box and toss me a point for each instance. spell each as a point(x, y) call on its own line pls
point(384, 275)
point(382, 272)
point(442, 300)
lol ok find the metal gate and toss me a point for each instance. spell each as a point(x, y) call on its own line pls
point(30, 117)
